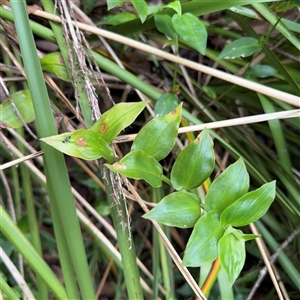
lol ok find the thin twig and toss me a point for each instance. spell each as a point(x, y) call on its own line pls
point(265, 90)
point(263, 250)
point(16, 275)
point(272, 259)
point(226, 123)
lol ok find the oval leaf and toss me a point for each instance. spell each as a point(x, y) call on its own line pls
point(165, 104)
point(191, 30)
point(81, 143)
point(228, 187)
point(88, 5)
point(113, 3)
point(120, 18)
point(242, 47)
point(232, 254)
point(139, 165)
point(176, 5)
point(23, 103)
point(113, 121)
point(202, 246)
point(54, 64)
point(250, 206)
point(164, 24)
point(179, 209)
point(157, 138)
point(194, 164)
point(260, 71)
point(141, 8)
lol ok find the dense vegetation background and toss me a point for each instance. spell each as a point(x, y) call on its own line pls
point(64, 250)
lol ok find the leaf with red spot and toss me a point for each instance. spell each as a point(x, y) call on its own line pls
point(139, 165)
point(113, 121)
point(81, 143)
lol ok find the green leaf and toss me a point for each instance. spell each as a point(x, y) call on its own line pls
point(232, 253)
point(260, 71)
point(194, 164)
point(250, 207)
point(54, 64)
point(139, 165)
point(249, 237)
point(141, 8)
point(244, 11)
point(88, 5)
point(179, 209)
point(23, 102)
point(176, 5)
point(191, 30)
point(113, 121)
point(169, 43)
point(81, 143)
point(228, 187)
point(117, 19)
point(166, 103)
point(210, 92)
point(164, 25)
point(113, 3)
point(103, 208)
point(202, 246)
point(242, 47)
point(157, 138)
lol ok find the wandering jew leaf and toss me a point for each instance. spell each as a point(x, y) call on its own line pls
point(81, 143)
point(179, 209)
point(113, 121)
point(232, 253)
point(202, 246)
point(54, 64)
point(191, 30)
point(23, 102)
point(141, 8)
point(165, 104)
point(228, 187)
point(164, 24)
point(113, 3)
point(157, 138)
point(242, 47)
point(139, 165)
point(250, 207)
point(194, 164)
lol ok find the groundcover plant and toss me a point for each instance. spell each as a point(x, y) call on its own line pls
point(150, 150)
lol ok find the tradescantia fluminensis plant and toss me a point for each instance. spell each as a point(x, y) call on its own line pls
point(227, 205)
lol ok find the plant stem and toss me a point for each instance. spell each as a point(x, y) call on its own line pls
point(80, 85)
point(166, 179)
point(20, 242)
point(61, 198)
point(121, 220)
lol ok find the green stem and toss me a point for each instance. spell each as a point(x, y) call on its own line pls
point(120, 216)
point(273, 19)
point(7, 291)
point(166, 179)
point(164, 258)
point(42, 292)
point(55, 168)
point(20, 242)
point(80, 84)
point(33, 223)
